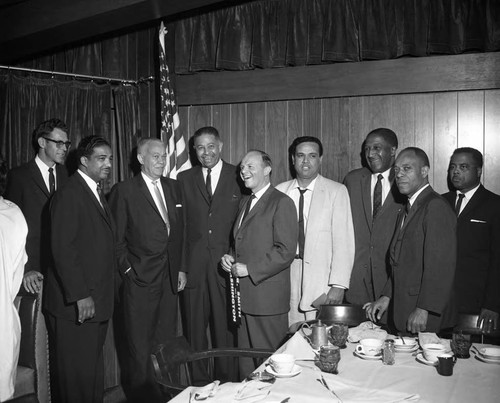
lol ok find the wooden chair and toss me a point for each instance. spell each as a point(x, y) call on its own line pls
point(467, 324)
point(173, 363)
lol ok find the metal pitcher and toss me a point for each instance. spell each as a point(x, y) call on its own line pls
point(318, 336)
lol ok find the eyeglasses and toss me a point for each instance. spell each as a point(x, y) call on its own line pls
point(59, 143)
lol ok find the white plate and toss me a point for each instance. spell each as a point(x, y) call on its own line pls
point(368, 357)
point(487, 360)
point(295, 371)
point(421, 359)
point(490, 353)
point(406, 350)
point(411, 342)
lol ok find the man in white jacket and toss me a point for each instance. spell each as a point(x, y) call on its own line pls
point(13, 231)
point(325, 253)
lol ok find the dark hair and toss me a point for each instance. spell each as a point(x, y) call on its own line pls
point(87, 145)
point(419, 153)
point(45, 128)
point(266, 159)
point(3, 175)
point(387, 134)
point(477, 157)
point(212, 131)
point(305, 139)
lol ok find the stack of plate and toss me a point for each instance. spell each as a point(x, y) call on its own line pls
point(490, 355)
point(408, 346)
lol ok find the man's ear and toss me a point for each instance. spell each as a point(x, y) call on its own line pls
point(83, 161)
point(267, 170)
point(42, 142)
point(140, 158)
point(425, 171)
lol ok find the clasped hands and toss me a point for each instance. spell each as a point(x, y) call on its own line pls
point(236, 269)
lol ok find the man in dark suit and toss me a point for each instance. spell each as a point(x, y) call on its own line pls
point(79, 293)
point(149, 221)
point(265, 237)
point(31, 186)
point(477, 279)
point(211, 199)
point(375, 203)
point(423, 253)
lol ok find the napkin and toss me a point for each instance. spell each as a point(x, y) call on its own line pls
point(204, 392)
point(426, 338)
point(252, 391)
point(299, 347)
point(366, 330)
point(351, 393)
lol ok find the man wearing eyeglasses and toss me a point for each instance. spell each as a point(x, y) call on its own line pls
point(477, 278)
point(31, 186)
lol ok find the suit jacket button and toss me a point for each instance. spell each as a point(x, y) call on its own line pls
point(209, 231)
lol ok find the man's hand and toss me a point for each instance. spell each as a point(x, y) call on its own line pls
point(417, 321)
point(488, 320)
point(227, 262)
point(86, 309)
point(335, 296)
point(181, 283)
point(32, 281)
point(375, 310)
point(239, 270)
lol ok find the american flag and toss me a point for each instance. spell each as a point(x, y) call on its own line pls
point(177, 154)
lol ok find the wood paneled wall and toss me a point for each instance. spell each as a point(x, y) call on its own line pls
point(436, 122)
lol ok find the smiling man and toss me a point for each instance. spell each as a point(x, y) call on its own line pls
point(422, 253)
point(211, 196)
point(80, 285)
point(477, 283)
point(148, 211)
point(325, 254)
point(264, 245)
point(31, 187)
point(375, 202)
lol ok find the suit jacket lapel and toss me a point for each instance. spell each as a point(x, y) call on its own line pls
point(256, 208)
point(471, 205)
point(313, 220)
point(200, 182)
point(367, 198)
point(170, 200)
point(103, 210)
point(38, 178)
point(224, 179)
point(147, 194)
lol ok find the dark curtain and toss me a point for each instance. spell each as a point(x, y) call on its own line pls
point(86, 107)
point(281, 33)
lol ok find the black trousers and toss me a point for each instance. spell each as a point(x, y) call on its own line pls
point(79, 366)
point(150, 318)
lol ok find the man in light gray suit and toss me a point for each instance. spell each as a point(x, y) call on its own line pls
point(325, 254)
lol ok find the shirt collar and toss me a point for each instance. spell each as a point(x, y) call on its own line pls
point(385, 174)
point(412, 199)
point(308, 187)
point(42, 165)
point(259, 194)
point(470, 193)
point(91, 182)
point(215, 170)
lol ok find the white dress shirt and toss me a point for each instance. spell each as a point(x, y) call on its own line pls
point(44, 170)
point(214, 175)
point(386, 185)
point(468, 195)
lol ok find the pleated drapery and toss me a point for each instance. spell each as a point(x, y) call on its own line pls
point(281, 33)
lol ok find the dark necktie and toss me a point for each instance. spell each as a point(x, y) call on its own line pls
point(52, 181)
point(102, 199)
point(247, 208)
point(208, 183)
point(458, 206)
point(302, 235)
point(407, 211)
point(377, 196)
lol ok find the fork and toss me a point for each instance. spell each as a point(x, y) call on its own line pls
point(323, 382)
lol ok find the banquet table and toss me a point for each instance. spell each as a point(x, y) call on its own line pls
point(361, 380)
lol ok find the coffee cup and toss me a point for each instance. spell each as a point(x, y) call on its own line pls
point(282, 363)
point(432, 351)
point(445, 364)
point(369, 346)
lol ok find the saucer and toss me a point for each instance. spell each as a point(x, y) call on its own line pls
point(487, 360)
point(406, 350)
point(490, 353)
point(422, 360)
point(295, 371)
point(368, 357)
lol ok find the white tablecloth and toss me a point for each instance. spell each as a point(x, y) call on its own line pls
point(364, 381)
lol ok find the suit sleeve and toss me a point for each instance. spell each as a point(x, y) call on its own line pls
point(118, 206)
point(492, 294)
point(342, 240)
point(66, 224)
point(439, 260)
point(282, 252)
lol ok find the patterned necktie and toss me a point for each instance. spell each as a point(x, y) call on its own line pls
point(377, 196)
point(102, 199)
point(52, 181)
point(302, 235)
point(407, 211)
point(458, 206)
point(161, 204)
point(208, 183)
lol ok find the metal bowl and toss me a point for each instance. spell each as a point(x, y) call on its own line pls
point(352, 315)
